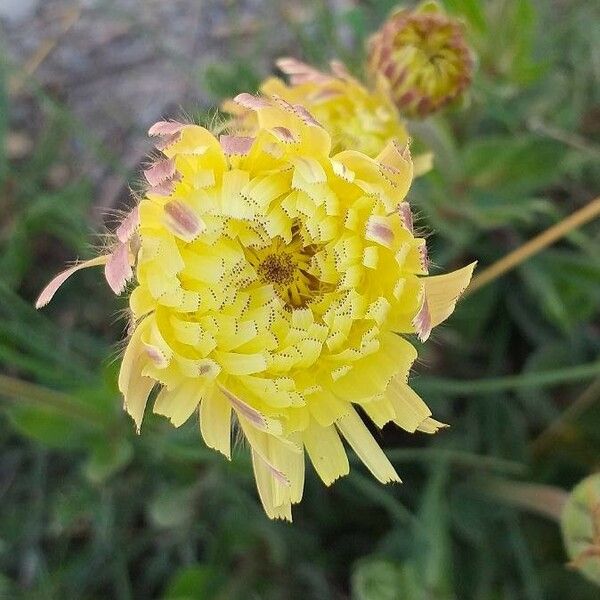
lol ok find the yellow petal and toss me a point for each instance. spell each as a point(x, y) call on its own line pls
point(326, 452)
point(366, 448)
point(179, 404)
point(241, 364)
point(443, 291)
point(251, 414)
point(409, 408)
point(134, 387)
point(283, 461)
point(325, 408)
point(290, 461)
point(264, 484)
point(397, 166)
point(370, 375)
point(430, 425)
point(215, 421)
point(380, 411)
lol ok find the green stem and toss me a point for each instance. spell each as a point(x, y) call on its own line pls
point(511, 382)
point(383, 497)
point(22, 392)
point(545, 500)
point(456, 457)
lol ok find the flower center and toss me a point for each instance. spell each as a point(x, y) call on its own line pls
point(290, 269)
point(277, 268)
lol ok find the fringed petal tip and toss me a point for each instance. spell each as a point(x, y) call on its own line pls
point(406, 216)
point(251, 102)
point(422, 321)
point(165, 188)
point(257, 419)
point(128, 225)
point(299, 72)
point(441, 293)
point(379, 231)
point(306, 116)
point(339, 69)
point(256, 103)
point(48, 292)
point(117, 270)
point(166, 132)
point(367, 449)
point(161, 171)
point(431, 426)
point(183, 221)
point(395, 155)
point(275, 504)
point(283, 134)
point(165, 128)
point(236, 144)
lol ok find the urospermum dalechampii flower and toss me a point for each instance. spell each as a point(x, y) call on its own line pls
point(355, 118)
point(273, 282)
point(421, 58)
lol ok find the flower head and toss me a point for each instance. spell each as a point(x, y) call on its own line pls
point(273, 283)
point(421, 58)
point(356, 118)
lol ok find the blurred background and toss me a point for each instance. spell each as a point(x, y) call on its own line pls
point(90, 510)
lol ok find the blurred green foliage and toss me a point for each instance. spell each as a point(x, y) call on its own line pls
point(90, 510)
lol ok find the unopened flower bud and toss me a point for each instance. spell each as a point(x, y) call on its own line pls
point(421, 58)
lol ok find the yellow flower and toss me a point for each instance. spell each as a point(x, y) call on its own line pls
point(420, 57)
point(356, 118)
point(273, 283)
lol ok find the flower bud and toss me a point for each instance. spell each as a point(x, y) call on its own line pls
point(421, 58)
point(580, 524)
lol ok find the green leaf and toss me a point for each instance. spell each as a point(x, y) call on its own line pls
point(491, 210)
point(497, 384)
point(196, 582)
point(434, 563)
point(565, 284)
point(471, 9)
point(514, 166)
point(524, 68)
point(107, 458)
point(227, 80)
point(376, 578)
point(8, 589)
point(355, 17)
point(47, 427)
point(72, 509)
point(173, 507)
